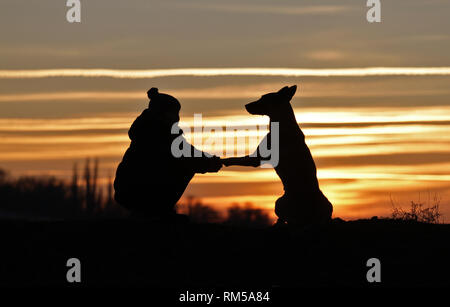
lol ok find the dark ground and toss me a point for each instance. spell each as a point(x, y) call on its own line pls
point(140, 253)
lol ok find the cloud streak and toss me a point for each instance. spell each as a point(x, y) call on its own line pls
point(211, 72)
point(269, 9)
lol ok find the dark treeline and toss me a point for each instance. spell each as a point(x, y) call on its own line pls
point(236, 215)
point(48, 196)
point(84, 197)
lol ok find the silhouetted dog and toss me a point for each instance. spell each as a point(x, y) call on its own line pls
point(303, 203)
point(150, 180)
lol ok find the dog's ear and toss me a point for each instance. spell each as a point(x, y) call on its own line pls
point(288, 92)
point(283, 90)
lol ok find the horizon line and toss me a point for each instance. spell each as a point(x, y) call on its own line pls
point(212, 72)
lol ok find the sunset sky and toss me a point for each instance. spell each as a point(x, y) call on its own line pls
point(373, 98)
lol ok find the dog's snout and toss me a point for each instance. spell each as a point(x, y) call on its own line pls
point(251, 107)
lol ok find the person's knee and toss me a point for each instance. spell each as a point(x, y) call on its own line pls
point(281, 208)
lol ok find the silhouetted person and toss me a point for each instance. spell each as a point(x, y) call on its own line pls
point(303, 203)
point(150, 180)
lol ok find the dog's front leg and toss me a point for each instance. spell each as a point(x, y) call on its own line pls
point(242, 161)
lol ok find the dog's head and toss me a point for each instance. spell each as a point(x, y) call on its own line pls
point(270, 103)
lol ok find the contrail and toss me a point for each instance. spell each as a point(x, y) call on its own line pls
point(209, 72)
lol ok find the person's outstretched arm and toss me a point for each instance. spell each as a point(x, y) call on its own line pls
point(199, 161)
point(204, 165)
point(242, 161)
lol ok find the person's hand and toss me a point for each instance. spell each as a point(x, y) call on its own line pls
point(215, 164)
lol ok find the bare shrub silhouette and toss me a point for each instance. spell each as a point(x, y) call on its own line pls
point(247, 216)
point(201, 213)
point(48, 196)
point(419, 212)
point(3, 176)
point(92, 197)
point(236, 215)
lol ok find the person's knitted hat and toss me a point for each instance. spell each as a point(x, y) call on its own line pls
point(160, 102)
